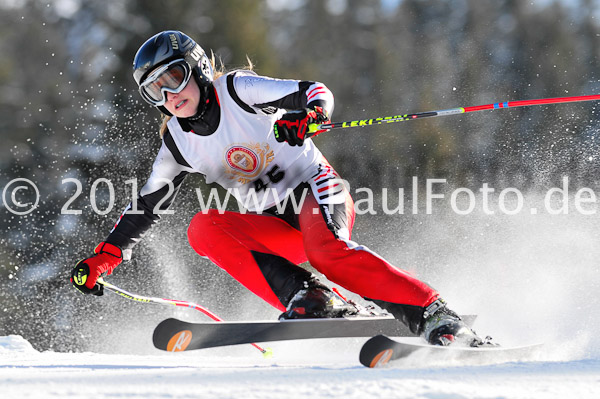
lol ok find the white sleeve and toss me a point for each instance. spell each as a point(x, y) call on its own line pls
point(261, 92)
point(164, 170)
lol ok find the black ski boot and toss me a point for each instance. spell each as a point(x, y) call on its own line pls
point(317, 302)
point(443, 327)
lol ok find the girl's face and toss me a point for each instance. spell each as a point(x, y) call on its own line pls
point(185, 103)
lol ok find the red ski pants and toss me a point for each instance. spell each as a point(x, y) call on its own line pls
point(229, 240)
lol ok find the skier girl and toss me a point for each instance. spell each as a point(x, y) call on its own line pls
point(249, 133)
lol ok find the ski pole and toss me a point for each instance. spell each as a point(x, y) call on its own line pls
point(313, 127)
point(161, 301)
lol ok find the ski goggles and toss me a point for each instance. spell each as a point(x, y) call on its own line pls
point(171, 77)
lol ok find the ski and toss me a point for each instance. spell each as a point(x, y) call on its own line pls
point(380, 350)
point(175, 335)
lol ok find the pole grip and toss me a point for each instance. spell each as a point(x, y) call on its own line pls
point(313, 128)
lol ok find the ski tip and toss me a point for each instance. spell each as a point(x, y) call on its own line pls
point(381, 359)
point(376, 352)
point(179, 341)
point(171, 335)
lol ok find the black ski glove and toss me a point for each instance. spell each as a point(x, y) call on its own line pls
point(293, 125)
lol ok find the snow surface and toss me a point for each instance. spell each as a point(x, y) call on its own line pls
point(531, 278)
point(310, 369)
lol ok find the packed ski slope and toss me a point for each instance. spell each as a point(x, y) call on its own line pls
point(310, 369)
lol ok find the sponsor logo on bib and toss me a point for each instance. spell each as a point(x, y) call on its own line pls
point(247, 161)
point(242, 158)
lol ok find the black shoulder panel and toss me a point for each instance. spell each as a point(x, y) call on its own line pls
point(170, 143)
point(235, 97)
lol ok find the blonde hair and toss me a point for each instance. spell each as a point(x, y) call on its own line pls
point(218, 71)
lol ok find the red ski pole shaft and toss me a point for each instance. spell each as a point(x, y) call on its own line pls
point(313, 128)
point(209, 314)
point(527, 103)
point(168, 302)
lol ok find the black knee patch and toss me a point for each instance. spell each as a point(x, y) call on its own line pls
point(284, 277)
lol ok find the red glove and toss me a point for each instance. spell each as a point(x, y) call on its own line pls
point(293, 125)
point(85, 274)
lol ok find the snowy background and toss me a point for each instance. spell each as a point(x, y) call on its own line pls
point(69, 109)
